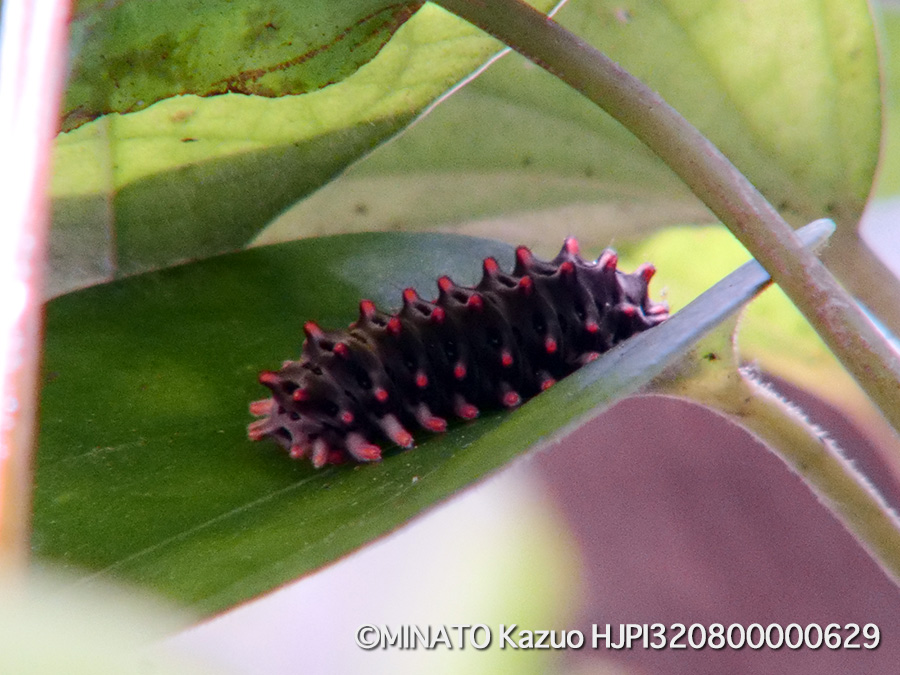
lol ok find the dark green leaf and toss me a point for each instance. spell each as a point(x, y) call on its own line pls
point(144, 471)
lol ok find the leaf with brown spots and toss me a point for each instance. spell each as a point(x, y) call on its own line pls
point(128, 54)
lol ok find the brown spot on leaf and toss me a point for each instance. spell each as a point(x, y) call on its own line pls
point(182, 115)
point(246, 82)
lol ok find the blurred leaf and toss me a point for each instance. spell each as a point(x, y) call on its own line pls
point(127, 55)
point(190, 177)
point(51, 626)
point(144, 471)
point(788, 90)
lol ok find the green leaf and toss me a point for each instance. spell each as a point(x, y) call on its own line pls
point(144, 471)
point(788, 90)
point(127, 55)
point(191, 177)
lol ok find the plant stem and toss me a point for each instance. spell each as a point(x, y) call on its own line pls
point(712, 177)
point(32, 66)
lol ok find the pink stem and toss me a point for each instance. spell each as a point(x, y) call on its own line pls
point(32, 67)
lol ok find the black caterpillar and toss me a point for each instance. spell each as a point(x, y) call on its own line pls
point(493, 345)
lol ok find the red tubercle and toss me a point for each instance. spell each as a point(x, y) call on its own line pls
point(262, 407)
point(571, 246)
point(438, 315)
point(394, 326)
point(475, 301)
point(459, 370)
point(524, 256)
point(381, 394)
point(445, 284)
point(628, 310)
point(608, 261)
point(361, 449)
point(550, 345)
point(464, 409)
point(511, 399)
point(367, 309)
point(369, 453)
point(392, 428)
point(320, 453)
point(258, 429)
point(298, 450)
point(342, 350)
point(490, 266)
point(410, 295)
point(646, 272)
point(347, 417)
point(566, 268)
point(421, 380)
point(506, 358)
point(436, 424)
point(468, 412)
point(429, 420)
point(300, 394)
point(526, 285)
point(312, 330)
point(591, 326)
point(547, 383)
point(269, 379)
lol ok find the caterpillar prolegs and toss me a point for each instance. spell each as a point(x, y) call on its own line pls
point(492, 345)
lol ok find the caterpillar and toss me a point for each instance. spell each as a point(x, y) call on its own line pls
point(492, 345)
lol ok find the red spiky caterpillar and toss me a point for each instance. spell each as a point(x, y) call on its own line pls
point(492, 345)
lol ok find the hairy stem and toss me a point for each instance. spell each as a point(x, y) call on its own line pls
point(712, 177)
